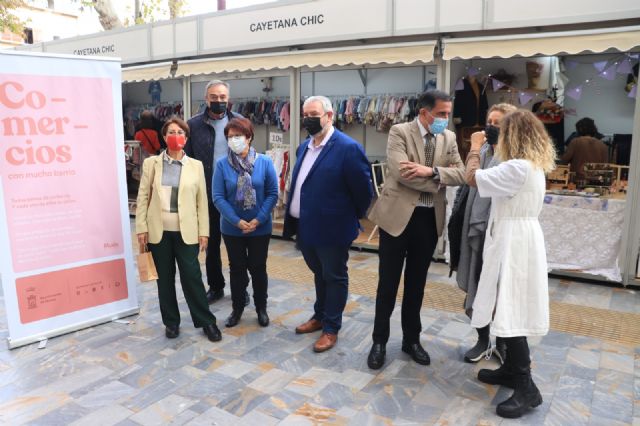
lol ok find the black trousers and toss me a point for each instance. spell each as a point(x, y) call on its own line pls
point(416, 244)
point(213, 263)
point(166, 253)
point(248, 254)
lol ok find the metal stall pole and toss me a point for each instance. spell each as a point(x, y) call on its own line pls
point(294, 113)
point(631, 227)
point(186, 97)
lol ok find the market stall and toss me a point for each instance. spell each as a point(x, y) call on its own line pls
point(588, 205)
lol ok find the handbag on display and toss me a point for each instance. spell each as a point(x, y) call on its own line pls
point(146, 267)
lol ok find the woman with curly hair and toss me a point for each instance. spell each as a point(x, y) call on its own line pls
point(513, 292)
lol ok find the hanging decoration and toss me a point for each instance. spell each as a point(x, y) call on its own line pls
point(525, 97)
point(625, 66)
point(600, 65)
point(574, 93)
point(497, 84)
point(609, 73)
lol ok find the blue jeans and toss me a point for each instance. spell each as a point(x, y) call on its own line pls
point(329, 267)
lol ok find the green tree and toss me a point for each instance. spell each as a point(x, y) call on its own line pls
point(8, 20)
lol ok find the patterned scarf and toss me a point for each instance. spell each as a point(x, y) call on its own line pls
point(245, 192)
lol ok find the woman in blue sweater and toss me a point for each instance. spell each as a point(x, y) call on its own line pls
point(245, 191)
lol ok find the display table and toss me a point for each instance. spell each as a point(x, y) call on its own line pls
point(583, 234)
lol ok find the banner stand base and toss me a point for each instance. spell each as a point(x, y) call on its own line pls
point(16, 343)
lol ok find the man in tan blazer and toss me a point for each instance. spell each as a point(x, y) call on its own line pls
point(422, 158)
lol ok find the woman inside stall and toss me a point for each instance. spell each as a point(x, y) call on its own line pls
point(586, 147)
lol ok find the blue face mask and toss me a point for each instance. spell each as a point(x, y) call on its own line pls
point(439, 125)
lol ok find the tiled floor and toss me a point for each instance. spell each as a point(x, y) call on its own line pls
point(130, 374)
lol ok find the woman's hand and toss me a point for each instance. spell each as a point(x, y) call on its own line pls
point(143, 240)
point(252, 226)
point(477, 140)
point(243, 225)
point(203, 241)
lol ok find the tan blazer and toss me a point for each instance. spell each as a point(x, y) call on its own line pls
point(399, 196)
point(193, 210)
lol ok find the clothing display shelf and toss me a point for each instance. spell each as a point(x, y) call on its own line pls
point(378, 110)
point(161, 111)
point(274, 111)
point(279, 154)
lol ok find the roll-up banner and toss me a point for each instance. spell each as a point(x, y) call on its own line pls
point(66, 261)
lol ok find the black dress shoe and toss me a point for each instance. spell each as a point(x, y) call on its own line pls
point(263, 318)
point(247, 299)
point(213, 332)
point(214, 295)
point(172, 331)
point(233, 319)
point(417, 352)
point(376, 356)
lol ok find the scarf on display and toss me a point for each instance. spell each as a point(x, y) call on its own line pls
point(245, 192)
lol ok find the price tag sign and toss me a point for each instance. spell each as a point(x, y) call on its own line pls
point(276, 137)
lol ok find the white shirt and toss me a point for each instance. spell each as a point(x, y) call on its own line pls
point(313, 152)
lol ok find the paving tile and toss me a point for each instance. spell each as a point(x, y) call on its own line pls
point(163, 411)
point(282, 404)
point(235, 368)
point(105, 416)
point(272, 381)
point(214, 416)
point(616, 407)
point(617, 362)
point(583, 358)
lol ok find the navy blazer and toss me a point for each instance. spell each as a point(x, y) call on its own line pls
point(335, 194)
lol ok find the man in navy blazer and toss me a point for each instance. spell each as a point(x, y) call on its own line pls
point(330, 190)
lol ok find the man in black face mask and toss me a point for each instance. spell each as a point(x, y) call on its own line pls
point(330, 190)
point(476, 217)
point(208, 144)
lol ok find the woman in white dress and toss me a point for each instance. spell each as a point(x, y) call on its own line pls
point(513, 290)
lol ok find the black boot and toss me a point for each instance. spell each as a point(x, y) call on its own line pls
point(525, 395)
point(503, 376)
point(500, 350)
point(482, 347)
point(233, 319)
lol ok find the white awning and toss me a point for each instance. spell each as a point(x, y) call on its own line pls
point(407, 53)
point(550, 44)
point(146, 73)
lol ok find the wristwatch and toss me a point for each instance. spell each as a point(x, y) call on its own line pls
point(436, 175)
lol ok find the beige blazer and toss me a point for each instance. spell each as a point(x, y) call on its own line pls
point(399, 196)
point(193, 210)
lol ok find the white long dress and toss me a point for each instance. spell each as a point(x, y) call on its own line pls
point(513, 292)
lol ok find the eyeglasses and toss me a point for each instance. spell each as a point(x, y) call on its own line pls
point(179, 132)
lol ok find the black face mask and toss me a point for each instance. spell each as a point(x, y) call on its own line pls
point(217, 107)
point(492, 133)
point(312, 124)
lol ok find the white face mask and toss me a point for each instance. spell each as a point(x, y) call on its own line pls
point(237, 144)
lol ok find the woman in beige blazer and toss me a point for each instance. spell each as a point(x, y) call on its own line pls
point(172, 220)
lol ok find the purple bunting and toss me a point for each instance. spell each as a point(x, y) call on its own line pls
point(497, 84)
point(609, 73)
point(574, 92)
point(459, 85)
point(472, 71)
point(633, 92)
point(600, 65)
point(525, 97)
point(569, 65)
point(624, 67)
